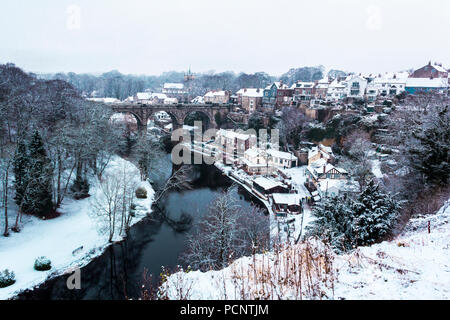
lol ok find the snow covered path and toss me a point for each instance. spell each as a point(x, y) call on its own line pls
point(58, 238)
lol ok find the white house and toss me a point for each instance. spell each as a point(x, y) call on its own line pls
point(260, 161)
point(355, 86)
point(173, 88)
point(142, 97)
point(336, 90)
point(158, 97)
point(256, 161)
point(220, 96)
point(104, 100)
point(281, 159)
point(170, 101)
point(390, 84)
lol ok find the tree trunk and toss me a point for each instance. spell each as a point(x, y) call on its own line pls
point(58, 184)
point(6, 233)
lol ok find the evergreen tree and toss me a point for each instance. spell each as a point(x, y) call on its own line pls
point(143, 163)
point(38, 199)
point(374, 214)
point(80, 188)
point(430, 150)
point(346, 223)
point(333, 222)
point(21, 165)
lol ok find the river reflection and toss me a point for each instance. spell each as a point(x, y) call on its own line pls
point(156, 241)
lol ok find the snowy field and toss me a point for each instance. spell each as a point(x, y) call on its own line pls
point(58, 238)
point(413, 266)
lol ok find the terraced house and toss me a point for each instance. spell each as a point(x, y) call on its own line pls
point(277, 95)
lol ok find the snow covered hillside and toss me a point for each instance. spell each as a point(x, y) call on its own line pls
point(416, 265)
point(70, 240)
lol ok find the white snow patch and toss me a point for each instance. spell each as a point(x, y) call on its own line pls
point(58, 238)
point(415, 265)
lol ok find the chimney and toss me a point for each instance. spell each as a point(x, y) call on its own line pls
point(245, 90)
point(324, 169)
point(257, 90)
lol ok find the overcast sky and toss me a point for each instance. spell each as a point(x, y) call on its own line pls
point(150, 37)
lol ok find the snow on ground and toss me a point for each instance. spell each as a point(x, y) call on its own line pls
point(278, 227)
point(58, 238)
point(415, 265)
point(298, 176)
point(376, 169)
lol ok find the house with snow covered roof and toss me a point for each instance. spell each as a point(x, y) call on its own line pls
point(104, 100)
point(250, 98)
point(158, 98)
point(198, 100)
point(336, 90)
point(388, 84)
point(355, 86)
point(170, 101)
point(173, 89)
point(431, 71)
point(303, 91)
point(142, 98)
point(416, 85)
point(257, 161)
point(267, 186)
point(221, 96)
point(233, 144)
point(321, 170)
point(276, 95)
point(321, 88)
point(260, 161)
point(335, 187)
point(287, 203)
point(282, 159)
point(320, 152)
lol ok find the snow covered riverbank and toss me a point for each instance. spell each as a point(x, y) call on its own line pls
point(280, 226)
point(71, 240)
point(415, 265)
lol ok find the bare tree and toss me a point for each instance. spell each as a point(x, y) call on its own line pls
point(291, 125)
point(226, 232)
point(113, 205)
point(178, 180)
point(356, 151)
point(6, 158)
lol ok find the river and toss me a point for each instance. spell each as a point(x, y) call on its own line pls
point(156, 241)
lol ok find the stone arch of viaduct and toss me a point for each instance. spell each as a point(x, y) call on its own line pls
point(178, 112)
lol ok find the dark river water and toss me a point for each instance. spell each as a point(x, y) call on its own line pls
point(154, 242)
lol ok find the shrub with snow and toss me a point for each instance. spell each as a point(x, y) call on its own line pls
point(42, 264)
point(141, 193)
point(7, 278)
